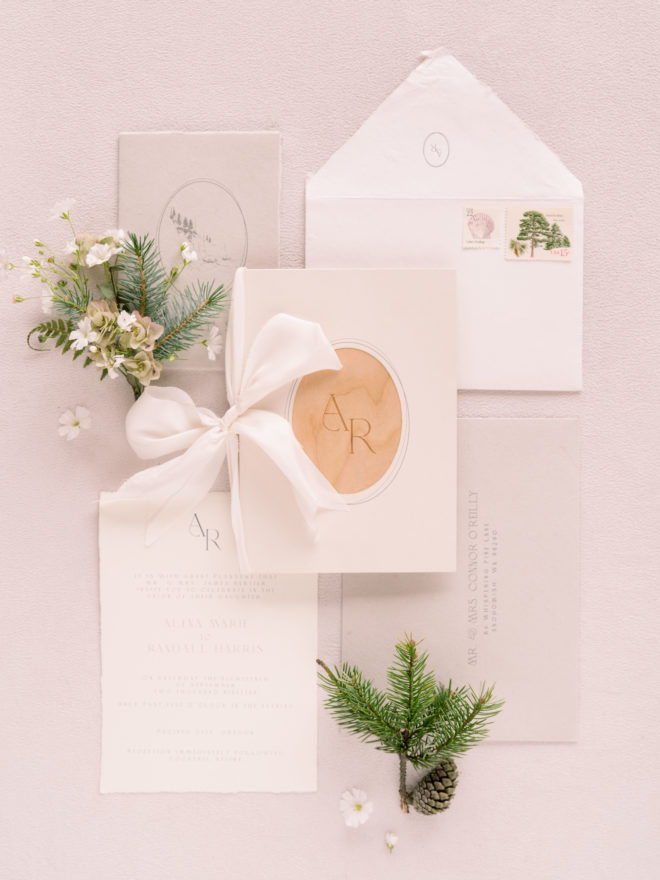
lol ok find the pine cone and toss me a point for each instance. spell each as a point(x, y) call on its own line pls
point(433, 792)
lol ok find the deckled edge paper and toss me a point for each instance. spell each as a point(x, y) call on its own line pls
point(208, 676)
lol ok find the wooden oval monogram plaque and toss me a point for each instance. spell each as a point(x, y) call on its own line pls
point(349, 421)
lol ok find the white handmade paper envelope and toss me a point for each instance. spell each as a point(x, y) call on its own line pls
point(382, 429)
point(403, 190)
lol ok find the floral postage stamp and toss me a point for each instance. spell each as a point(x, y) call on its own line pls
point(539, 233)
point(482, 226)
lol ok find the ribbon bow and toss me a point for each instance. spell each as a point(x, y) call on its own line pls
point(165, 420)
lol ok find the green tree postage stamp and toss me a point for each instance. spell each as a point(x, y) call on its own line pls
point(539, 233)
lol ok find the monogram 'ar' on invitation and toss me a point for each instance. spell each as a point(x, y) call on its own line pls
point(510, 613)
point(382, 429)
point(208, 676)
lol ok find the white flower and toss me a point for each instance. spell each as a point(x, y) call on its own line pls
point(109, 362)
point(391, 840)
point(71, 247)
point(82, 337)
point(125, 320)
point(188, 254)
point(117, 235)
point(72, 422)
point(116, 361)
point(213, 343)
point(33, 266)
point(355, 807)
point(60, 211)
point(101, 253)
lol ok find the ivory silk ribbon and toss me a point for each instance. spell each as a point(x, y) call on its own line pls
point(165, 420)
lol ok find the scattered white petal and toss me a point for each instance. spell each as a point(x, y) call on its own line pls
point(71, 423)
point(125, 320)
point(60, 211)
point(213, 343)
point(188, 254)
point(84, 335)
point(355, 807)
point(391, 840)
point(101, 253)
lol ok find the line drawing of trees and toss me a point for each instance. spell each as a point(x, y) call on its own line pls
point(535, 229)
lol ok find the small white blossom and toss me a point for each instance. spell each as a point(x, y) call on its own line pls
point(391, 840)
point(188, 254)
point(117, 235)
point(117, 361)
point(84, 335)
point(125, 320)
point(71, 247)
point(110, 362)
point(213, 343)
point(72, 422)
point(355, 807)
point(47, 306)
point(60, 211)
point(32, 267)
point(101, 253)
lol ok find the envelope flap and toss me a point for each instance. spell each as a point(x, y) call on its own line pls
point(442, 134)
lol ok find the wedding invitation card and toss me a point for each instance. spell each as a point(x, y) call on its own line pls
point(217, 191)
point(443, 173)
point(509, 615)
point(208, 676)
point(382, 429)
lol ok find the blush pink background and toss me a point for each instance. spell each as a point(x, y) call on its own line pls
point(584, 76)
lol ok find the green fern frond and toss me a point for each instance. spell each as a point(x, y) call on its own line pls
point(57, 330)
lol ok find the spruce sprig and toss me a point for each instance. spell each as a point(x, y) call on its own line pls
point(140, 282)
point(71, 295)
point(417, 718)
point(186, 316)
point(142, 285)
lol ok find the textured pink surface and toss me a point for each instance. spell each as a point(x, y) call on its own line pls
point(585, 77)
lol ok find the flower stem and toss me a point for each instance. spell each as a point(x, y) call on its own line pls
point(406, 797)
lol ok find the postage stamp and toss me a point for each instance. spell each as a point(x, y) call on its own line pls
point(482, 226)
point(539, 233)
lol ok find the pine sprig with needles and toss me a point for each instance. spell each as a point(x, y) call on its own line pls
point(417, 717)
